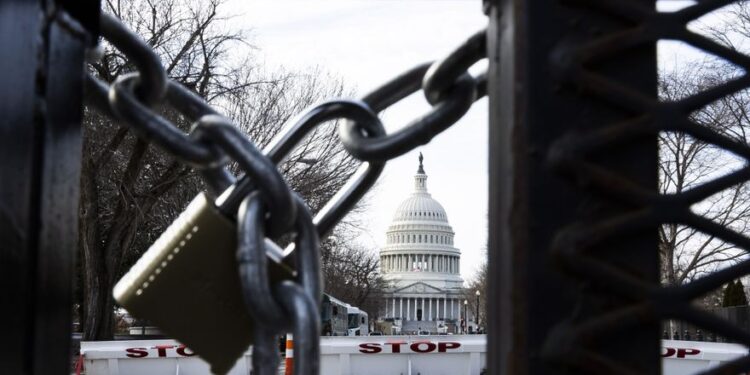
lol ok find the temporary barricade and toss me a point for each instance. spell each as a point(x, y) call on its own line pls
point(369, 355)
point(454, 355)
point(690, 357)
point(148, 357)
point(425, 355)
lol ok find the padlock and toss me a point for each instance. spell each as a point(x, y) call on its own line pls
point(187, 283)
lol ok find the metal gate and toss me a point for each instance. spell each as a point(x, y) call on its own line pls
point(574, 205)
point(42, 65)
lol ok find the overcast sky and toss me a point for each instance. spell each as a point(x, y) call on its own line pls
point(366, 43)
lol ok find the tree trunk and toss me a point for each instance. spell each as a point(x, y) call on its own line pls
point(102, 260)
point(96, 309)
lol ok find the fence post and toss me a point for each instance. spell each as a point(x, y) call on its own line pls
point(41, 71)
point(549, 219)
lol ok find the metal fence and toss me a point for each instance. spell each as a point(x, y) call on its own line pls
point(737, 316)
point(574, 204)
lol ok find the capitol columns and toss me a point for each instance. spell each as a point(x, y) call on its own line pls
point(429, 308)
point(424, 308)
point(408, 313)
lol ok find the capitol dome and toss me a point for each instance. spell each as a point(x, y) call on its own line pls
point(419, 241)
point(420, 206)
point(421, 265)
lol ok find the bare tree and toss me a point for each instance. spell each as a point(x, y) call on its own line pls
point(351, 273)
point(478, 283)
point(130, 191)
point(686, 163)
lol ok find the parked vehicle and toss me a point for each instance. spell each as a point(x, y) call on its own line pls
point(334, 316)
point(339, 318)
point(358, 322)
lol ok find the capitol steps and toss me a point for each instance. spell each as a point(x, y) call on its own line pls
point(414, 326)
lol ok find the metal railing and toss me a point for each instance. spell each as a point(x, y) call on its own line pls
point(737, 316)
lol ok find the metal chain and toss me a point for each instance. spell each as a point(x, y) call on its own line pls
point(261, 201)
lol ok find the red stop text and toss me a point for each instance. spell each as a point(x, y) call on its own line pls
point(405, 347)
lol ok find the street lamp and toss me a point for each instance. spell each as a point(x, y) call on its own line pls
point(466, 316)
point(476, 312)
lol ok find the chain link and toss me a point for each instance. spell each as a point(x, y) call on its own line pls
point(268, 305)
point(261, 201)
point(154, 84)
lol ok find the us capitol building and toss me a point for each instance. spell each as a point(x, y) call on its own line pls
point(421, 265)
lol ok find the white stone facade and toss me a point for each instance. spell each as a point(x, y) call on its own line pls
point(421, 263)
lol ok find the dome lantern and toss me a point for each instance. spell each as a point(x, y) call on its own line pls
point(420, 179)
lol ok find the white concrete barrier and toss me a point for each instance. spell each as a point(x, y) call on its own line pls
point(148, 357)
point(690, 357)
point(369, 355)
point(362, 355)
point(415, 355)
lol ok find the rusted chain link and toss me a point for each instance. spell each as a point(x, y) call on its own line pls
point(261, 202)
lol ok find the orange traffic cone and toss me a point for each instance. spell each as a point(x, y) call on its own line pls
point(289, 357)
